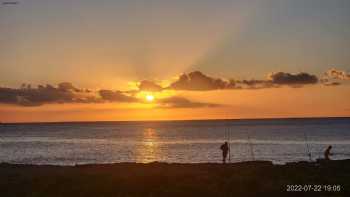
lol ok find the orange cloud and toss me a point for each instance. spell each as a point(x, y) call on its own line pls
point(146, 85)
point(337, 74)
point(180, 102)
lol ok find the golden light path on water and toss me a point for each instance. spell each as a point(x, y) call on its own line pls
point(148, 150)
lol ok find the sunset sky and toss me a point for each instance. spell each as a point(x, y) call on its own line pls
point(164, 60)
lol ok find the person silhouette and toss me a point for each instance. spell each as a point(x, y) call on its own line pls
point(327, 153)
point(225, 149)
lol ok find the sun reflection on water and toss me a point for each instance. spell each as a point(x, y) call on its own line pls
point(148, 151)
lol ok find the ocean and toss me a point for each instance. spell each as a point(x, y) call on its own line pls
point(276, 140)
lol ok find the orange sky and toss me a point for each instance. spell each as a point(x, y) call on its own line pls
point(312, 101)
point(114, 45)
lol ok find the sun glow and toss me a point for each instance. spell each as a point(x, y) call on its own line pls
point(149, 98)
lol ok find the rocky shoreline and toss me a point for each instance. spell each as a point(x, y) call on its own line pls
point(255, 178)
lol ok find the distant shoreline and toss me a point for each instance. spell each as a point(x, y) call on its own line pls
point(179, 120)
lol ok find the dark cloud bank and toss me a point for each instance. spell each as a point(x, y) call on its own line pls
point(67, 93)
point(198, 81)
point(63, 93)
point(194, 81)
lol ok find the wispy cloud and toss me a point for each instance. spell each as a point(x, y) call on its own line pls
point(181, 102)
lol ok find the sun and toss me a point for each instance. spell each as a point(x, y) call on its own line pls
point(149, 97)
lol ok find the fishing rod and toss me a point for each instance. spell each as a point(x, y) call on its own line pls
point(229, 143)
point(308, 152)
point(227, 137)
point(251, 146)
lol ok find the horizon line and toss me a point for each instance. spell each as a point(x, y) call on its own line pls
point(176, 120)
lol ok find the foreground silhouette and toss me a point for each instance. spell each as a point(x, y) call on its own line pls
point(327, 153)
point(225, 150)
point(172, 180)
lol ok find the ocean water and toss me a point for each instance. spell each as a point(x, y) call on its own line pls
point(277, 140)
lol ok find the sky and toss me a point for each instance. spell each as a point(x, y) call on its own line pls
point(165, 60)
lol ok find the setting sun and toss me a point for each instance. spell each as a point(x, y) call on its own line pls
point(149, 98)
point(173, 98)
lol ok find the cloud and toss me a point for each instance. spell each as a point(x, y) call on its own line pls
point(28, 96)
point(331, 83)
point(332, 77)
point(337, 74)
point(181, 102)
point(8, 95)
point(146, 85)
point(64, 93)
point(67, 93)
point(194, 81)
point(67, 86)
point(253, 84)
point(116, 96)
point(282, 78)
point(198, 81)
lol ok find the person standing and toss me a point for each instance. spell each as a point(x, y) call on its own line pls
point(225, 150)
point(327, 153)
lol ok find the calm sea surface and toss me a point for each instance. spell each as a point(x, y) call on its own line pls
point(277, 140)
